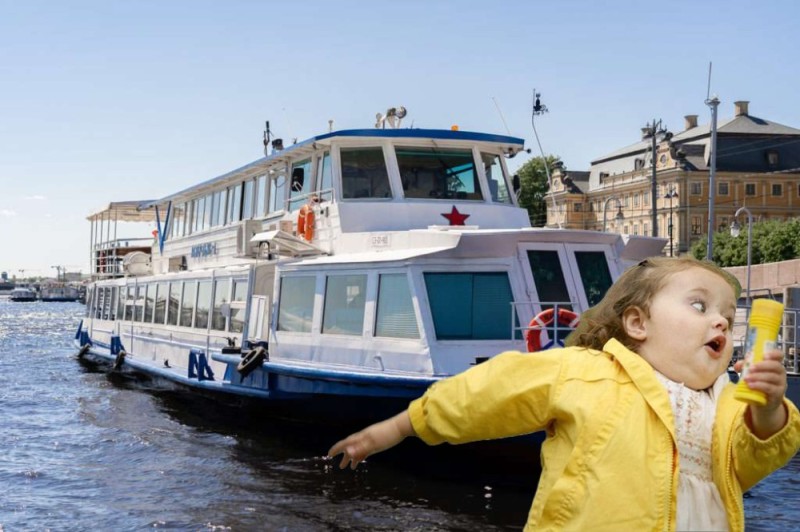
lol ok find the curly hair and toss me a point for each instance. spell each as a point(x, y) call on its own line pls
point(635, 288)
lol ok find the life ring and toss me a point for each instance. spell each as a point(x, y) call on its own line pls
point(305, 222)
point(535, 336)
point(251, 360)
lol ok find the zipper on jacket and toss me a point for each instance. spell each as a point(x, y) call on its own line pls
point(672, 470)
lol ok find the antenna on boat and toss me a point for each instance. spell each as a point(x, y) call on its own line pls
point(503, 118)
point(267, 134)
point(540, 109)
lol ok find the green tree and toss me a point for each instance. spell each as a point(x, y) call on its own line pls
point(772, 241)
point(533, 183)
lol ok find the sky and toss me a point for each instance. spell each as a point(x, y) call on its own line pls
point(112, 100)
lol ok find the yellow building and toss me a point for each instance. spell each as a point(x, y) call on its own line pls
point(757, 166)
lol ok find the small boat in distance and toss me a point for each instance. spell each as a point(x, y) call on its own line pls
point(338, 278)
point(23, 294)
point(59, 291)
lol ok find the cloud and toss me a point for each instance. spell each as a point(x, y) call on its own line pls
point(7, 213)
point(37, 197)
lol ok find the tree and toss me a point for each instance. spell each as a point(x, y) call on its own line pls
point(534, 186)
point(772, 241)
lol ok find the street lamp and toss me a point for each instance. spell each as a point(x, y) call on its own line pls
point(619, 217)
point(656, 132)
point(671, 193)
point(735, 230)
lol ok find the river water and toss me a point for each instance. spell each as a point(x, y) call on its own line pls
point(83, 450)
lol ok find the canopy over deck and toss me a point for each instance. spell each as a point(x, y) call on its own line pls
point(125, 211)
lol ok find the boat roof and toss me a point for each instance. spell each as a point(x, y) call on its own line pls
point(514, 145)
point(125, 211)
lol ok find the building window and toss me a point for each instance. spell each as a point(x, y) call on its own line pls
point(772, 158)
point(645, 229)
point(636, 200)
point(723, 189)
point(578, 207)
point(777, 189)
point(695, 225)
point(750, 189)
point(723, 224)
point(695, 188)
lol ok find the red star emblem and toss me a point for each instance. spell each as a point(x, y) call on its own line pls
point(455, 217)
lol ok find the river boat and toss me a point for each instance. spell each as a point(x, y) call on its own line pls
point(339, 277)
point(59, 291)
point(23, 294)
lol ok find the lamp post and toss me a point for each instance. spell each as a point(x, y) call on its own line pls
point(656, 132)
point(671, 193)
point(735, 229)
point(619, 216)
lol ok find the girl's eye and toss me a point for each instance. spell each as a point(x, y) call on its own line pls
point(699, 305)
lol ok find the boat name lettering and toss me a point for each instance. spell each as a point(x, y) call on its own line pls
point(204, 250)
point(380, 241)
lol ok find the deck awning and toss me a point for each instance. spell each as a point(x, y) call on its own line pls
point(125, 211)
point(287, 244)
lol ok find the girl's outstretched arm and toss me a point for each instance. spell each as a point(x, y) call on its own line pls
point(768, 376)
point(373, 439)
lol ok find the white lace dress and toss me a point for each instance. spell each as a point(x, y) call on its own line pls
point(699, 504)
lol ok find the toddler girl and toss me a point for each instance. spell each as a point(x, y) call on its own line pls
point(643, 432)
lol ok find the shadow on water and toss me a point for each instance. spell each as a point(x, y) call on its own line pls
point(280, 467)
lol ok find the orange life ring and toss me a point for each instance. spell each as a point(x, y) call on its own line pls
point(536, 336)
point(305, 222)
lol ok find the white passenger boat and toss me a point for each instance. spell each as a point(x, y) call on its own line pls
point(23, 294)
point(59, 291)
point(341, 276)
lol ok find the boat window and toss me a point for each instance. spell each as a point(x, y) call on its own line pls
point(296, 306)
point(130, 301)
point(325, 179)
point(498, 186)
point(596, 278)
point(203, 304)
point(149, 302)
point(277, 191)
point(112, 313)
point(102, 302)
point(438, 174)
point(178, 216)
point(549, 278)
point(187, 303)
point(364, 173)
point(90, 300)
point(207, 207)
point(247, 199)
point(345, 299)
point(301, 184)
point(121, 304)
point(174, 302)
point(395, 314)
point(471, 306)
point(261, 197)
point(222, 290)
point(234, 203)
point(138, 310)
point(238, 305)
point(161, 303)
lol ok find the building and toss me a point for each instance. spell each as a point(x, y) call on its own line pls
point(757, 166)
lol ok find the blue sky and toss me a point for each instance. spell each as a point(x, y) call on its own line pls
point(117, 100)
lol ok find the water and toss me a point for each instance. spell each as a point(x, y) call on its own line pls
point(85, 451)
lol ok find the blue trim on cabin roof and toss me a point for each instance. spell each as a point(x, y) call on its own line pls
point(435, 134)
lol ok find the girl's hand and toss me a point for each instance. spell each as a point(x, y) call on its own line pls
point(768, 376)
point(373, 439)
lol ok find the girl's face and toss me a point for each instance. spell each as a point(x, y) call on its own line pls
point(687, 336)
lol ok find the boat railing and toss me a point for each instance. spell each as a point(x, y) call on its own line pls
point(107, 257)
point(557, 329)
